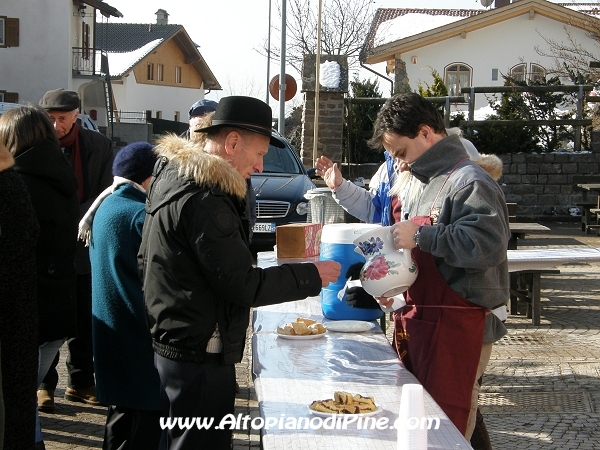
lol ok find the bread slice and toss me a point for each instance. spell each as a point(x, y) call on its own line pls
point(306, 321)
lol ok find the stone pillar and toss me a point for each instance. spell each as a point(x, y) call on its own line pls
point(331, 108)
point(401, 81)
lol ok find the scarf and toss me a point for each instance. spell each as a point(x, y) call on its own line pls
point(85, 225)
point(71, 140)
point(382, 200)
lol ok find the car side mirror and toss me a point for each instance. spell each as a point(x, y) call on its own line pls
point(312, 173)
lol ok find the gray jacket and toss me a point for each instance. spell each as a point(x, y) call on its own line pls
point(470, 237)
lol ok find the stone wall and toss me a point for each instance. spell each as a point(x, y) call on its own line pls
point(542, 184)
point(331, 109)
point(331, 126)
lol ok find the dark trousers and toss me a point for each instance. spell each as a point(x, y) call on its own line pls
point(197, 390)
point(131, 429)
point(480, 440)
point(80, 360)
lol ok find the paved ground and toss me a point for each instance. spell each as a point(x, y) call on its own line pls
point(541, 389)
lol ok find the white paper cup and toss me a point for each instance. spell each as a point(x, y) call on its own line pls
point(412, 423)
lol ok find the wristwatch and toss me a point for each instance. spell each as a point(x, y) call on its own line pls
point(417, 236)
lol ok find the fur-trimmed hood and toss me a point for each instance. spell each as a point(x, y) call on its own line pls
point(491, 164)
point(6, 159)
point(203, 169)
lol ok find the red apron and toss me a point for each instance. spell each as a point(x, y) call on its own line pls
point(439, 335)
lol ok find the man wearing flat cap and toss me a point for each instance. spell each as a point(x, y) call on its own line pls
point(198, 111)
point(198, 273)
point(91, 156)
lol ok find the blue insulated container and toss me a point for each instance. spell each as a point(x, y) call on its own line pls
point(337, 244)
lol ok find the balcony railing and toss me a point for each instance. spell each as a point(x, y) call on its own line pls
point(88, 62)
point(129, 116)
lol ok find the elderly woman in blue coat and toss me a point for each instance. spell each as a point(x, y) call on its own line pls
point(126, 379)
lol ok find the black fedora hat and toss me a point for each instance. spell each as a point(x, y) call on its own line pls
point(244, 112)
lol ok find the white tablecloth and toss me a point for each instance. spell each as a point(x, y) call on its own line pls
point(549, 258)
point(517, 259)
point(290, 374)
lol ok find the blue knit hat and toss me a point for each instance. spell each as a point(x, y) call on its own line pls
point(135, 162)
point(202, 107)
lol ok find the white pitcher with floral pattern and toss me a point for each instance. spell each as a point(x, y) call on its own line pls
point(387, 272)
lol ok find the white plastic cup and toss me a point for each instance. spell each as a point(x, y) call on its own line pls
point(412, 423)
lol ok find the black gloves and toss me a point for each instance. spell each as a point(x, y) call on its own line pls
point(357, 297)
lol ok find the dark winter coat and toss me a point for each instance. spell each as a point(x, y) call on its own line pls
point(197, 266)
point(97, 159)
point(18, 307)
point(52, 186)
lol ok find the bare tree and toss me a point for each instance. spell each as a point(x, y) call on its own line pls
point(344, 27)
point(570, 54)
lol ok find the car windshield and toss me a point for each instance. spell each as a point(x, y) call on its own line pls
point(280, 160)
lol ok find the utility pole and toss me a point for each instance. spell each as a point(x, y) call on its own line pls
point(281, 124)
point(268, 54)
point(317, 85)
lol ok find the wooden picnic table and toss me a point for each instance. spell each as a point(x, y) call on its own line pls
point(518, 230)
point(589, 214)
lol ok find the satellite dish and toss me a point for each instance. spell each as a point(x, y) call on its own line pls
point(486, 3)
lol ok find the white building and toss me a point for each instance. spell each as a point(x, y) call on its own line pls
point(70, 44)
point(475, 47)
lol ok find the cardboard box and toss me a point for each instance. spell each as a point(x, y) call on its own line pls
point(298, 240)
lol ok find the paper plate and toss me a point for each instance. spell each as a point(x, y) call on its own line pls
point(304, 337)
point(322, 414)
point(349, 326)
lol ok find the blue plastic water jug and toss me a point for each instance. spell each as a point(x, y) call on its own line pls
point(337, 244)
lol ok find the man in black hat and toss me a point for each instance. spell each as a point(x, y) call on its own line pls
point(91, 156)
point(199, 278)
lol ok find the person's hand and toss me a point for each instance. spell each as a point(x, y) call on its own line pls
point(403, 234)
point(385, 302)
point(329, 171)
point(329, 271)
point(356, 296)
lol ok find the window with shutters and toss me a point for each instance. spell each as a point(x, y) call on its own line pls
point(9, 32)
point(85, 40)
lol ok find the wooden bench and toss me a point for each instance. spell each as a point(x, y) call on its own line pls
point(526, 285)
point(589, 219)
point(512, 212)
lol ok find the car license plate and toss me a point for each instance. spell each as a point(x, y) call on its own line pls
point(264, 228)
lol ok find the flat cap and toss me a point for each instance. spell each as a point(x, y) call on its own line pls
point(202, 107)
point(60, 100)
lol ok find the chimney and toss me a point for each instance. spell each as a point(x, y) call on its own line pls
point(162, 17)
point(500, 3)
